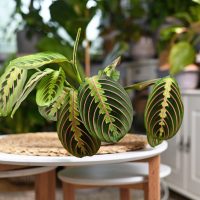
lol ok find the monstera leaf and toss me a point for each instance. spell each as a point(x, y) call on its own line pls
point(164, 111)
point(50, 87)
point(11, 85)
point(105, 108)
point(71, 130)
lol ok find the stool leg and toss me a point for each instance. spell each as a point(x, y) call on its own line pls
point(68, 191)
point(145, 189)
point(45, 185)
point(154, 178)
point(124, 194)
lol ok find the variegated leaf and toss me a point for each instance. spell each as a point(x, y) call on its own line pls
point(30, 85)
point(105, 108)
point(50, 112)
point(71, 130)
point(164, 111)
point(50, 88)
point(11, 85)
point(111, 71)
point(38, 60)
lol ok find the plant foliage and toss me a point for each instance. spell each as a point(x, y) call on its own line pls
point(105, 108)
point(88, 110)
point(164, 111)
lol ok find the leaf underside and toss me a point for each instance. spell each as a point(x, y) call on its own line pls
point(164, 111)
point(11, 85)
point(105, 108)
point(72, 132)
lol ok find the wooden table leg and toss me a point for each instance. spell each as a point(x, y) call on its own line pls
point(45, 186)
point(68, 191)
point(125, 194)
point(154, 178)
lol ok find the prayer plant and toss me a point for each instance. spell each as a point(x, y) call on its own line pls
point(88, 110)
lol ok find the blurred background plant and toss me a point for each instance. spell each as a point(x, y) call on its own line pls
point(178, 31)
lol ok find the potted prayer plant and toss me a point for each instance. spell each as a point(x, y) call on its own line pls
point(88, 110)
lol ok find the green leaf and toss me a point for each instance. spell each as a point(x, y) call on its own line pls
point(50, 87)
point(53, 44)
point(38, 60)
point(11, 85)
point(111, 71)
point(105, 108)
point(50, 112)
point(196, 1)
point(71, 130)
point(164, 111)
point(30, 85)
point(74, 61)
point(181, 55)
point(141, 85)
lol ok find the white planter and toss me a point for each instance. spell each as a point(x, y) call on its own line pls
point(188, 79)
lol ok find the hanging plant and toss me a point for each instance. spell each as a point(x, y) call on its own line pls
point(88, 110)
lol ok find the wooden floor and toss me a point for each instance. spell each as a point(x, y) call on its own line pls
point(22, 189)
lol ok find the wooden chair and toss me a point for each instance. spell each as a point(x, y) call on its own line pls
point(125, 176)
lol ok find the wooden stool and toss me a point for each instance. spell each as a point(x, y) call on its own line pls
point(124, 176)
point(44, 182)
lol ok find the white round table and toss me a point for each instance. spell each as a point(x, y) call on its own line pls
point(45, 183)
point(13, 159)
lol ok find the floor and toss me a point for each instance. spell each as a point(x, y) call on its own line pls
point(16, 189)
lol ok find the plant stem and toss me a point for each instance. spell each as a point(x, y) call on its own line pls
point(87, 58)
point(142, 85)
point(74, 56)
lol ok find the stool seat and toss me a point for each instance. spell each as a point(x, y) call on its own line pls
point(25, 172)
point(110, 174)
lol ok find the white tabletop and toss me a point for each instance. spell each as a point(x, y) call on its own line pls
point(73, 161)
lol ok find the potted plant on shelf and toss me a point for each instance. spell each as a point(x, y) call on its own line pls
point(181, 41)
point(88, 110)
point(182, 65)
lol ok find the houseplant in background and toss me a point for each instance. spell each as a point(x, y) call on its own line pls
point(91, 109)
point(56, 32)
point(179, 40)
point(114, 30)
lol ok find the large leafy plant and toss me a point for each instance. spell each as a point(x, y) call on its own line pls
point(88, 110)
